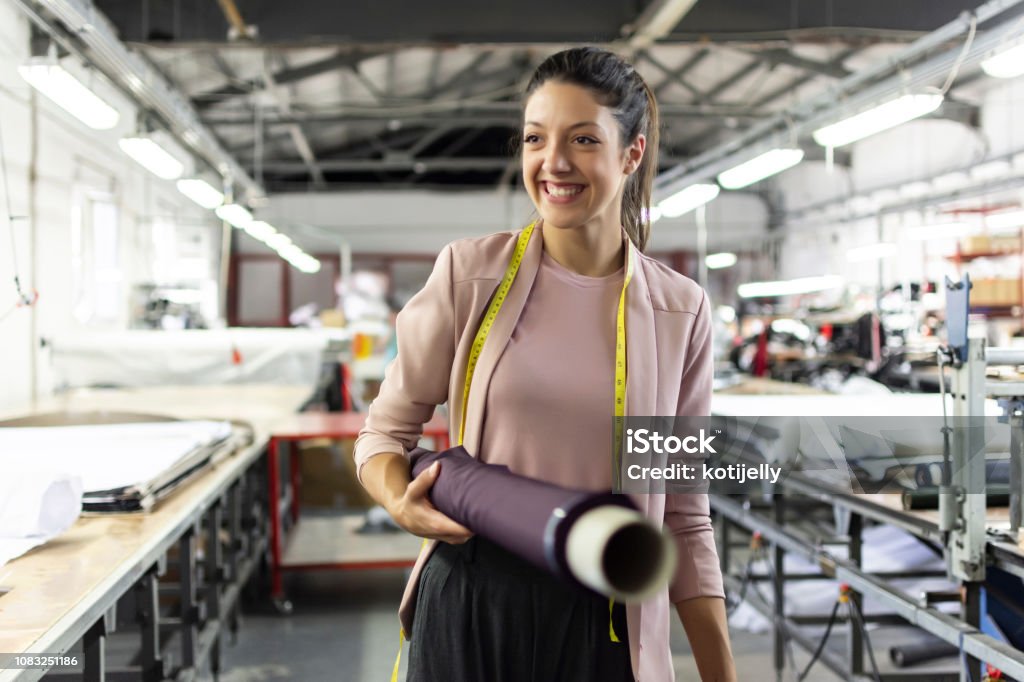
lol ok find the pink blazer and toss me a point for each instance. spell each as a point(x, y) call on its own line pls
point(668, 332)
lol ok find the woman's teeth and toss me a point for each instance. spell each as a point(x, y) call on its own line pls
point(563, 191)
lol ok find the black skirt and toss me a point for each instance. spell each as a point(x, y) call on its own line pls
point(485, 615)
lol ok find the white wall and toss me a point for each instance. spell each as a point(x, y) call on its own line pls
point(423, 222)
point(70, 159)
point(925, 149)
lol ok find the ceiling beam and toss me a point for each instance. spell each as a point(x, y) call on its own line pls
point(657, 20)
point(399, 163)
point(677, 74)
point(295, 130)
point(340, 60)
point(477, 114)
point(832, 68)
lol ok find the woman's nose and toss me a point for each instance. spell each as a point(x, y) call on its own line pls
point(556, 159)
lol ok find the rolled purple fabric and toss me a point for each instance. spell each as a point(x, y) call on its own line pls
point(534, 520)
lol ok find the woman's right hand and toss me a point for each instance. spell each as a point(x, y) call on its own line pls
point(414, 511)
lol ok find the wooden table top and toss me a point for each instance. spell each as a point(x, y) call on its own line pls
point(338, 425)
point(52, 587)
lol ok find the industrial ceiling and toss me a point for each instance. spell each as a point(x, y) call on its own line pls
point(332, 96)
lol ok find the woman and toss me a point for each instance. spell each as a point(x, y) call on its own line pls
point(541, 395)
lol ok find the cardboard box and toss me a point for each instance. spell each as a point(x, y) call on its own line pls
point(978, 243)
point(329, 476)
point(984, 292)
point(996, 292)
point(1005, 243)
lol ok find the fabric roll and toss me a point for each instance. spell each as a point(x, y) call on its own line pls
point(529, 518)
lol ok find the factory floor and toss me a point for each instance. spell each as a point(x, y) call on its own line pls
point(344, 628)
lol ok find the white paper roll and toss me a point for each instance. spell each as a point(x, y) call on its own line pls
point(616, 551)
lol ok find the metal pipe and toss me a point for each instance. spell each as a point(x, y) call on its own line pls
point(995, 355)
point(948, 628)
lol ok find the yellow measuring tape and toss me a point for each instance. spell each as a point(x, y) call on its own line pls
point(477, 348)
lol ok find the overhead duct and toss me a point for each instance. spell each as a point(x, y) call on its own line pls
point(87, 24)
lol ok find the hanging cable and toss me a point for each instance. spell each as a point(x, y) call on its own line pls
point(23, 300)
point(821, 645)
point(861, 624)
point(955, 71)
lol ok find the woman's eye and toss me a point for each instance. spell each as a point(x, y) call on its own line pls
point(530, 138)
point(586, 140)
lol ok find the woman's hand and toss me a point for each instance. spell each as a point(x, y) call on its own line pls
point(414, 511)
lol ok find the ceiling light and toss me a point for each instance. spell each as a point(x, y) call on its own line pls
point(235, 214)
point(879, 118)
point(1006, 64)
point(652, 214)
point(290, 251)
point(940, 231)
point(277, 241)
point(201, 192)
point(717, 261)
point(310, 265)
point(1009, 220)
point(257, 229)
point(872, 252)
point(69, 94)
point(804, 285)
point(684, 201)
point(760, 167)
point(152, 157)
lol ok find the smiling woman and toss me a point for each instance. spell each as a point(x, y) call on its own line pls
point(548, 367)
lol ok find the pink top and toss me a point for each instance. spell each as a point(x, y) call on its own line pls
point(552, 420)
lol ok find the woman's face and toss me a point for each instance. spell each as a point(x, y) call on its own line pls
point(574, 164)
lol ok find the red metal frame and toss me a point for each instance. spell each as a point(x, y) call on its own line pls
point(308, 426)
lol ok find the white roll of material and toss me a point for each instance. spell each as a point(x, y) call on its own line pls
point(35, 506)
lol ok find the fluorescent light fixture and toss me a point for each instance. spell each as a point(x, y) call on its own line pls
point(309, 265)
point(992, 170)
point(717, 261)
point(915, 189)
point(652, 214)
point(152, 157)
point(277, 241)
point(201, 192)
point(882, 117)
point(685, 200)
point(760, 167)
point(257, 229)
point(1008, 220)
point(940, 231)
point(1006, 64)
point(235, 214)
point(871, 252)
point(290, 251)
point(69, 94)
point(803, 285)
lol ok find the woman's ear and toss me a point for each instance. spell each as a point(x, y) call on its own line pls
point(634, 154)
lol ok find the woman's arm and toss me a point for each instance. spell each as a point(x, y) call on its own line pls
point(414, 383)
point(697, 590)
point(706, 626)
point(386, 478)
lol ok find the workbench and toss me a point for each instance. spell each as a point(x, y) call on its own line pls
point(212, 530)
point(326, 543)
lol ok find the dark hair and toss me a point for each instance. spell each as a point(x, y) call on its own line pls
point(615, 84)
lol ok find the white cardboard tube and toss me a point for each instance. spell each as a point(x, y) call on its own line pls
point(617, 551)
